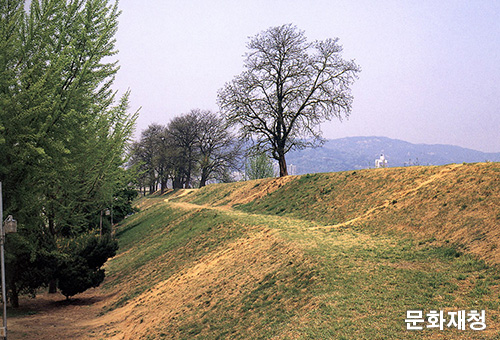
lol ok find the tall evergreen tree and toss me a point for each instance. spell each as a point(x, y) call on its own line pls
point(62, 137)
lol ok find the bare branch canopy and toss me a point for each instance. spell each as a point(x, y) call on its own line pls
point(288, 88)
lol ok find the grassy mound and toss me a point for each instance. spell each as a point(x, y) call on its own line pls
point(325, 256)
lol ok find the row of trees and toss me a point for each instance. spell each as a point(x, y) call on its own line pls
point(63, 134)
point(289, 87)
point(193, 148)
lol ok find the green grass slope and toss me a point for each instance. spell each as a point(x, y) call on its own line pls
point(325, 256)
point(458, 204)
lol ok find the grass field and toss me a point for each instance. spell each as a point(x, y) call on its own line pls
point(311, 257)
point(325, 256)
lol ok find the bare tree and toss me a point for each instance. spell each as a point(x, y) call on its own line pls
point(183, 139)
point(147, 155)
point(219, 148)
point(194, 144)
point(289, 87)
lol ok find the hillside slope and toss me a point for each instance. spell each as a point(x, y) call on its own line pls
point(261, 272)
point(458, 204)
point(325, 256)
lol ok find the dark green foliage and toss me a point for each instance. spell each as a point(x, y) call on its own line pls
point(75, 277)
point(96, 250)
point(29, 263)
point(122, 204)
point(80, 268)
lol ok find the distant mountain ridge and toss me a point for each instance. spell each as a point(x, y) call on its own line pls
point(352, 153)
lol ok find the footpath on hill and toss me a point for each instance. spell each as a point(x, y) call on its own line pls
point(325, 256)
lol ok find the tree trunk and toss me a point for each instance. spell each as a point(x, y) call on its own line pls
point(52, 228)
point(164, 180)
point(100, 224)
point(177, 182)
point(282, 164)
point(52, 282)
point(187, 183)
point(203, 179)
point(52, 286)
point(14, 295)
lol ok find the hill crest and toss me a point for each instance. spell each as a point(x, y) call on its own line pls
point(354, 153)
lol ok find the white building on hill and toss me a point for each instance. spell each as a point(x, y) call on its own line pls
point(381, 162)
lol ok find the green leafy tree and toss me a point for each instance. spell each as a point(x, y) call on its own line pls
point(259, 166)
point(63, 132)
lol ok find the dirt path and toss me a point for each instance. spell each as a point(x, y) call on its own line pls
point(51, 317)
point(373, 211)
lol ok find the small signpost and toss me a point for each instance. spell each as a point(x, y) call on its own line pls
point(8, 226)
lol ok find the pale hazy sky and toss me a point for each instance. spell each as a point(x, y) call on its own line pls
point(430, 69)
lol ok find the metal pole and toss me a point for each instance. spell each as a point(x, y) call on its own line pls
point(2, 240)
point(111, 212)
point(100, 225)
